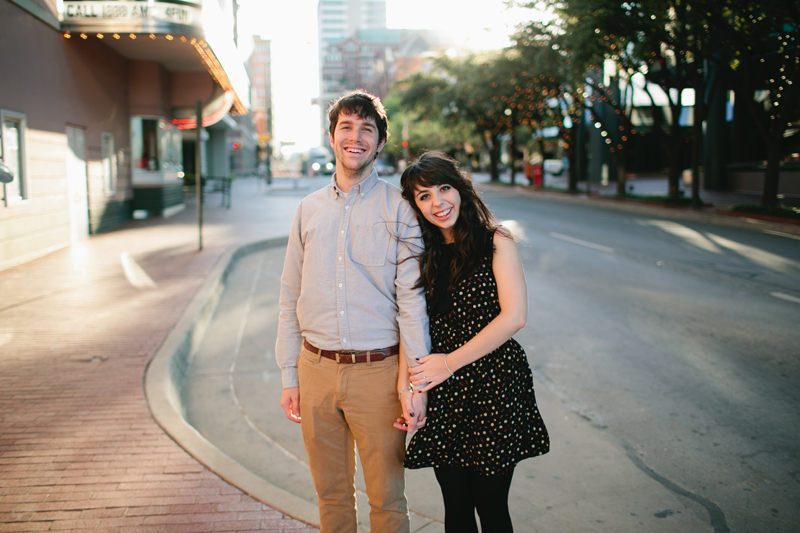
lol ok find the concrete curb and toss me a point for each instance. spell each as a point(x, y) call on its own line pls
point(164, 379)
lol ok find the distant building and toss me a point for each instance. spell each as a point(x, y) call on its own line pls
point(97, 108)
point(336, 20)
point(371, 59)
point(261, 95)
point(250, 142)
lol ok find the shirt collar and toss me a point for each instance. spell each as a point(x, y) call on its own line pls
point(362, 188)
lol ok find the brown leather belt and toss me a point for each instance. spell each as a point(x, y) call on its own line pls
point(355, 357)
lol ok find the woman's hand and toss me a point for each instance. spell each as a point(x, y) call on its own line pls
point(431, 371)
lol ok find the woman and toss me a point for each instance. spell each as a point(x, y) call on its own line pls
point(481, 417)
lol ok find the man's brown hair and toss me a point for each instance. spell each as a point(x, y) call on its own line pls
point(364, 105)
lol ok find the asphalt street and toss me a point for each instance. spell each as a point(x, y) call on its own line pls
point(665, 358)
point(680, 339)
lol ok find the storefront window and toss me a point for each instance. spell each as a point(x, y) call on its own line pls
point(171, 146)
point(12, 141)
point(156, 145)
point(109, 161)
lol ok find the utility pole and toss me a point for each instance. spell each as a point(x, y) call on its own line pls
point(405, 139)
point(198, 182)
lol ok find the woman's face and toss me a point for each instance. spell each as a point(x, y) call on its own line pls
point(440, 205)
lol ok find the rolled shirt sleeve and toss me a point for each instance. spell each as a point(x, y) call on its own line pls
point(287, 346)
point(412, 314)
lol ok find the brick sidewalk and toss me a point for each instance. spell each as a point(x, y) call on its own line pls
point(79, 449)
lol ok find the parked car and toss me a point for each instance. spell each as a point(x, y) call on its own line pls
point(383, 168)
point(318, 161)
point(555, 167)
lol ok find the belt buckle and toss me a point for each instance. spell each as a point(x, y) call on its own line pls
point(351, 353)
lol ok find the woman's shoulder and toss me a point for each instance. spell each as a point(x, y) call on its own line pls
point(504, 241)
point(502, 237)
point(503, 232)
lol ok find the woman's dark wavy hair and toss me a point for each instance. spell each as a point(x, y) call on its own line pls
point(474, 227)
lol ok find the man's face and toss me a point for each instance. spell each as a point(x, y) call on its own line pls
point(355, 143)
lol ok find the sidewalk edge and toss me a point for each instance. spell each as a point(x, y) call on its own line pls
point(709, 216)
point(165, 373)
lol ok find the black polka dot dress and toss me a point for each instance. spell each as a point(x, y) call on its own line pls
point(485, 417)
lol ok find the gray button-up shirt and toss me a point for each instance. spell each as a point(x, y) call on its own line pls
point(349, 275)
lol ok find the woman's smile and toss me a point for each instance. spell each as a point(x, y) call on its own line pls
point(442, 215)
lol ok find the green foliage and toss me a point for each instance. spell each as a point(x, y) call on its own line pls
point(426, 129)
point(542, 80)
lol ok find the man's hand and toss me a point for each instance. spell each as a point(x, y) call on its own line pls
point(290, 401)
point(408, 422)
point(414, 407)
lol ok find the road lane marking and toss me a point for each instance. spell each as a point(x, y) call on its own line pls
point(780, 234)
point(786, 297)
point(591, 245)
point(757, 256)
point(232, 369)
point(135, 274)
point(695, 238)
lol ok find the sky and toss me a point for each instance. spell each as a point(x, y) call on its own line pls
point(292, 28)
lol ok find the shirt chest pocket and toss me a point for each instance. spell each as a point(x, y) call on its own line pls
point(370, 244)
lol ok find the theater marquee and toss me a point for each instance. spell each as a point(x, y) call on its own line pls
point(132, 16)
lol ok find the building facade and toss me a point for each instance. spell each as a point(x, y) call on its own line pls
point(337, 20)
point(261, 96)
point(97, 106)
point(372, 59)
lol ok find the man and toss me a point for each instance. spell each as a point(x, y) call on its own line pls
point(349, 305)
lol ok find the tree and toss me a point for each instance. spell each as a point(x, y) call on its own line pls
point(553, 88)
point(459, 92)
point(656, 42)
point(763, 65)
point(410, 112)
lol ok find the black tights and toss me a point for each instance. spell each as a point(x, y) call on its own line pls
point(464, 491)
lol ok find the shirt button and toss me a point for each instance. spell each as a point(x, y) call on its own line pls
point(347, 207)
point(341, 312)
point(344, 340)
point(340, 258)
point(342, 232)
point(340, 285)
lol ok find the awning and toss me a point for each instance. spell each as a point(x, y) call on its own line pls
point(181, 35)
point(213, 112)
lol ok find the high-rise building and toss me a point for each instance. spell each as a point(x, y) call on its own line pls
point(341, 18)
point(337, 20)
point(261, 94)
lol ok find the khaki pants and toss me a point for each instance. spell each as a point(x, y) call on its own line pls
point(343, 406)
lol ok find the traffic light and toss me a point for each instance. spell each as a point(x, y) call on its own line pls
point(236, 146)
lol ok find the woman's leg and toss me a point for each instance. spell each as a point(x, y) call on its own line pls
point(459, 508)
point(490, 494)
